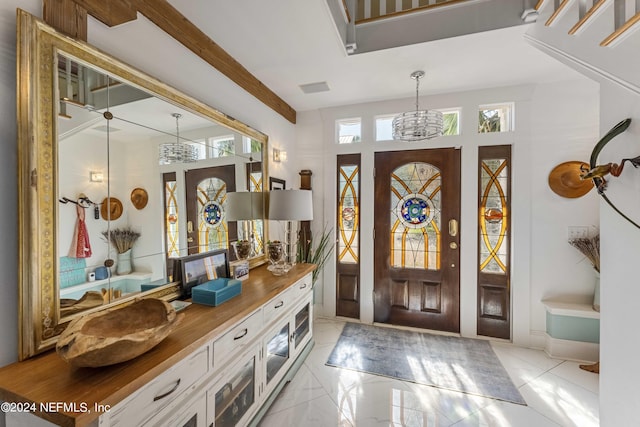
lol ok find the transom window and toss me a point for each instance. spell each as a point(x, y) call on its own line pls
point(451, 119)
point(495, 118)
point(384, 128)
point(349, 131)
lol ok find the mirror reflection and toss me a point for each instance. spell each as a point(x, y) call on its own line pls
point(141, 181)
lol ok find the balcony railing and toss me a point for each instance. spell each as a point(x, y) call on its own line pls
point(626, 16)
point(371, 10)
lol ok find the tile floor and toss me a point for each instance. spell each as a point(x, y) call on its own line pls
point(557, 392)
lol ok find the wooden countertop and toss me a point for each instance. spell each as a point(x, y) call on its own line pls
point(46, 378)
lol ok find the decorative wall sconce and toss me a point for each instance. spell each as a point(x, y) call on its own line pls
point(96, 176)
point(279, 155)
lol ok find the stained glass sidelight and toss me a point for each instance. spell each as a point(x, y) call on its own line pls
point(212, 226)
point(171, 212)
point(348, 214)
point(416, 216)
point(257, 226)
point(493, 216)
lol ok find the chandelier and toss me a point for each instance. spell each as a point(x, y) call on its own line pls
point(419, 124)
point(177, 152)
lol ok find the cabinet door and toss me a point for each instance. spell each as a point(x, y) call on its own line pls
point(232, 400)
point(302, 326)
point(277, 352)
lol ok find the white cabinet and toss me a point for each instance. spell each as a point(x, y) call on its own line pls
point(162, 391)
point(176, 415)
point(276, 353)
point(302, 325)
point(232, 376)
point(239, 337)
point(233, 398)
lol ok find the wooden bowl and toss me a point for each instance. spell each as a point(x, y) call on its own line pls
point(118, 334)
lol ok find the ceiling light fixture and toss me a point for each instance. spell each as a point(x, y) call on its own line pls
point(177, 152)
point(419, 124)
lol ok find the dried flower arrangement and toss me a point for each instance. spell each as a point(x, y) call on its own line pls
point(590, 248)
point(121, 238)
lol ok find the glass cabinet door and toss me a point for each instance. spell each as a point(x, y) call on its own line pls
point(234, 398)
point(302, 325)
point(277, 352)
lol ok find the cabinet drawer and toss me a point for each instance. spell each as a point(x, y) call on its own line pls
point(147, 401)
point(236, 339)
point(277, 306)
point(176, 415)
point(300, 288)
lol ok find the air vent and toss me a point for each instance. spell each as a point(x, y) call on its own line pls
point(315, 87)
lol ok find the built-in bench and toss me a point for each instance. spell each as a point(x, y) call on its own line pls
point(573, 331)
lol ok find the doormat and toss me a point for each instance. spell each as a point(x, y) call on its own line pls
point(460, 364)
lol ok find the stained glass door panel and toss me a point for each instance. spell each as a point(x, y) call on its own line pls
point(207, 227)
point(494, 228)
point(416, 257)
point(348, 247)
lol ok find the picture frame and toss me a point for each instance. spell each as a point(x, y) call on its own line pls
point(193, 270)
point(276, 184)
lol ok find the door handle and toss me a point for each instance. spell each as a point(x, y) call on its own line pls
point(453, 228)
point(189, 226)
point(189, 239)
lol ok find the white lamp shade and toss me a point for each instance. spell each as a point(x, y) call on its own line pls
point(244, 205)
point(290, 205)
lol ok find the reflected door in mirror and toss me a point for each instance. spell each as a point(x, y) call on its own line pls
point(207, 227)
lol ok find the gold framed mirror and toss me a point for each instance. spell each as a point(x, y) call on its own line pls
point(91, 135)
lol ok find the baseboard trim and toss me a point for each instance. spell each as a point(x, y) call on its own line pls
point(571, 350)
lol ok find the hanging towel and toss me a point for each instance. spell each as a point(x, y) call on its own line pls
point(80, 245)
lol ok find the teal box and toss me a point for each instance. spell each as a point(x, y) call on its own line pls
point(215, 292)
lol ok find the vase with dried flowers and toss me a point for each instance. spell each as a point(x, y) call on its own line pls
point(590, 248)
point(122, 239)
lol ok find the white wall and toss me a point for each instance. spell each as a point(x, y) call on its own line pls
point(620, 246)
point(564, 126)
point(553, 123)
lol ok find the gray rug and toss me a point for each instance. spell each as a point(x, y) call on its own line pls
point(460, 364)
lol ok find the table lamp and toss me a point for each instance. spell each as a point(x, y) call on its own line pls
point(290, 205)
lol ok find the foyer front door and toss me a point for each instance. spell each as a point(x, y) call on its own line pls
point(417, 237)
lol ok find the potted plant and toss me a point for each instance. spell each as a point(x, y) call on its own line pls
point(122, 239)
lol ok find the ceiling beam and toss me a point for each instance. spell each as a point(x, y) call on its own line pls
point(62, 15)
point(111, 12)
point(170, 20)
point(66, 16)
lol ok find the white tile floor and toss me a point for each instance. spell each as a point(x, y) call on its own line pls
point(557, 392)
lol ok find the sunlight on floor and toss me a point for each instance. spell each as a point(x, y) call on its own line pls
point(565, 404)
point(326, 396)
